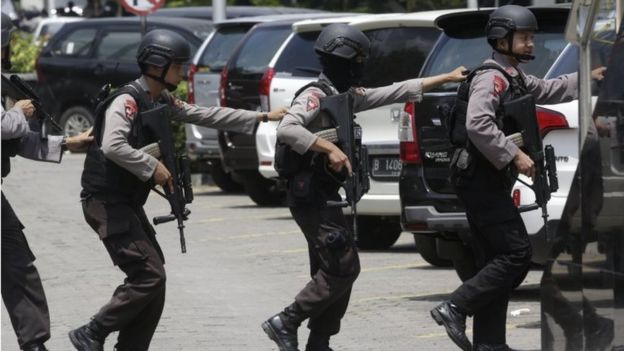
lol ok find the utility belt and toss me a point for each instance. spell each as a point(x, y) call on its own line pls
point(466, 162)
point(310, 180)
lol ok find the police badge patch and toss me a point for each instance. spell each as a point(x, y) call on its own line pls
point(313, 103)
point(499, 86)
point(130, 108)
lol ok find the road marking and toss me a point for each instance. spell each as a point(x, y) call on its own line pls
point(221, 219)
point(402, 266)
point(276, 252)
point(250, 236)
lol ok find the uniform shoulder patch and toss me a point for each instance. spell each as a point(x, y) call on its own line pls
point(499, 85)
point(313, 102)
point(130, 108)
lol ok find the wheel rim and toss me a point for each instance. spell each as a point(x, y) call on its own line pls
point(76, 124)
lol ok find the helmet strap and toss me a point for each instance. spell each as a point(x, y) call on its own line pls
point(161, 78)
point(522, 58)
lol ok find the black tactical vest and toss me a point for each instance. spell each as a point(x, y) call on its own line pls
point(102, 177)
point(287, 161)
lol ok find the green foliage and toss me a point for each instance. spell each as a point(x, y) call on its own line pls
point(23, 53)
point(177, 127)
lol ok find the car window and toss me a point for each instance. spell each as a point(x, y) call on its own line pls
point(397, 54)
point(298, 57)
point(118, 46)
point(258, 50)
point(76, 44)
point(220, 47)
point(450, 53)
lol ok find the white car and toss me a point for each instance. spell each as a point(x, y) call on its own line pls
point(399, 45)
point(47, 27)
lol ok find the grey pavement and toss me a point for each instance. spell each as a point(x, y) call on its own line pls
point(244, 263)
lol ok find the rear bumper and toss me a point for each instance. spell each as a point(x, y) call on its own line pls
point(430, 220)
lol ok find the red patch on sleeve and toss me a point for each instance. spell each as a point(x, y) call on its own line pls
point(499, 86)
point(130, 108)
point(312, 103)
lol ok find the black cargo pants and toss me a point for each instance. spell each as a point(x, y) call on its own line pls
point(333, 268)
point(22, 292)
point(501, 247)
point(137, 304)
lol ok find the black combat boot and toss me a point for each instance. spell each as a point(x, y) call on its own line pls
point(454, 320)
point(318, 342)
point(36, 346)
point(89, 337)
point(282, 327)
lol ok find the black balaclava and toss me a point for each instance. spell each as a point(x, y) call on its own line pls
point(343, 73)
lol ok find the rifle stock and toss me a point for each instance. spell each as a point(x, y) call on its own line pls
point(349, 138)
point(157, 120)
point(524, 116)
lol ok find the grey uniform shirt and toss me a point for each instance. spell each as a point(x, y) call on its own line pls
point(303, 118)
point(15, 125)
point(486, 91)
point(123, 109)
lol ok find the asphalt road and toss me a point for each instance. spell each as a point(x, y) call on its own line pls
point(244, 263)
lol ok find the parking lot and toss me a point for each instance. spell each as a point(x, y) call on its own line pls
point(243, 264)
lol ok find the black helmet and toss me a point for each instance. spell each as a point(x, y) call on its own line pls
point(161, 47)
point(342, 40)
point(7, 29)
point(506, 20)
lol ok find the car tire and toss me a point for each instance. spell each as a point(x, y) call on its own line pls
point(377, 233)
point(426, 246)
point(223, 179)
point(262, 191)
point(76, 120)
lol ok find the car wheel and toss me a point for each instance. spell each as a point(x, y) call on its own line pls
point(426, 246)
point(377, 233)
point(76, 120)
point(262, 191)
point(224, 179)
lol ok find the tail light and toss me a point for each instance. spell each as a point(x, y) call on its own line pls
point(265, 88)
point(410, 150)
point(191, 84)
point(222, 87)
point(515, 195)
point(549, 120)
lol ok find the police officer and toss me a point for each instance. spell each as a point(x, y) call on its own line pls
point(501, 244)
point(22, 292)
point(116, 181)
point(334, 268)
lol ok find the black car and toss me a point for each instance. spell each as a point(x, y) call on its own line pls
point(85, 55)
point(429, 206)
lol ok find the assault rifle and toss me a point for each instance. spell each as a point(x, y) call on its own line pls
point(524, 117)
point(348, 135)
point(17, 89)
point(157, 121)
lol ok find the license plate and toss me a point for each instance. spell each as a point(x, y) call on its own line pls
point(385, 167)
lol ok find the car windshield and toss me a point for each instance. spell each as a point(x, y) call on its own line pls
point(397, 54)
point(298, 58)
point(220, 47)
point(471, 52)
point(258, 50)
